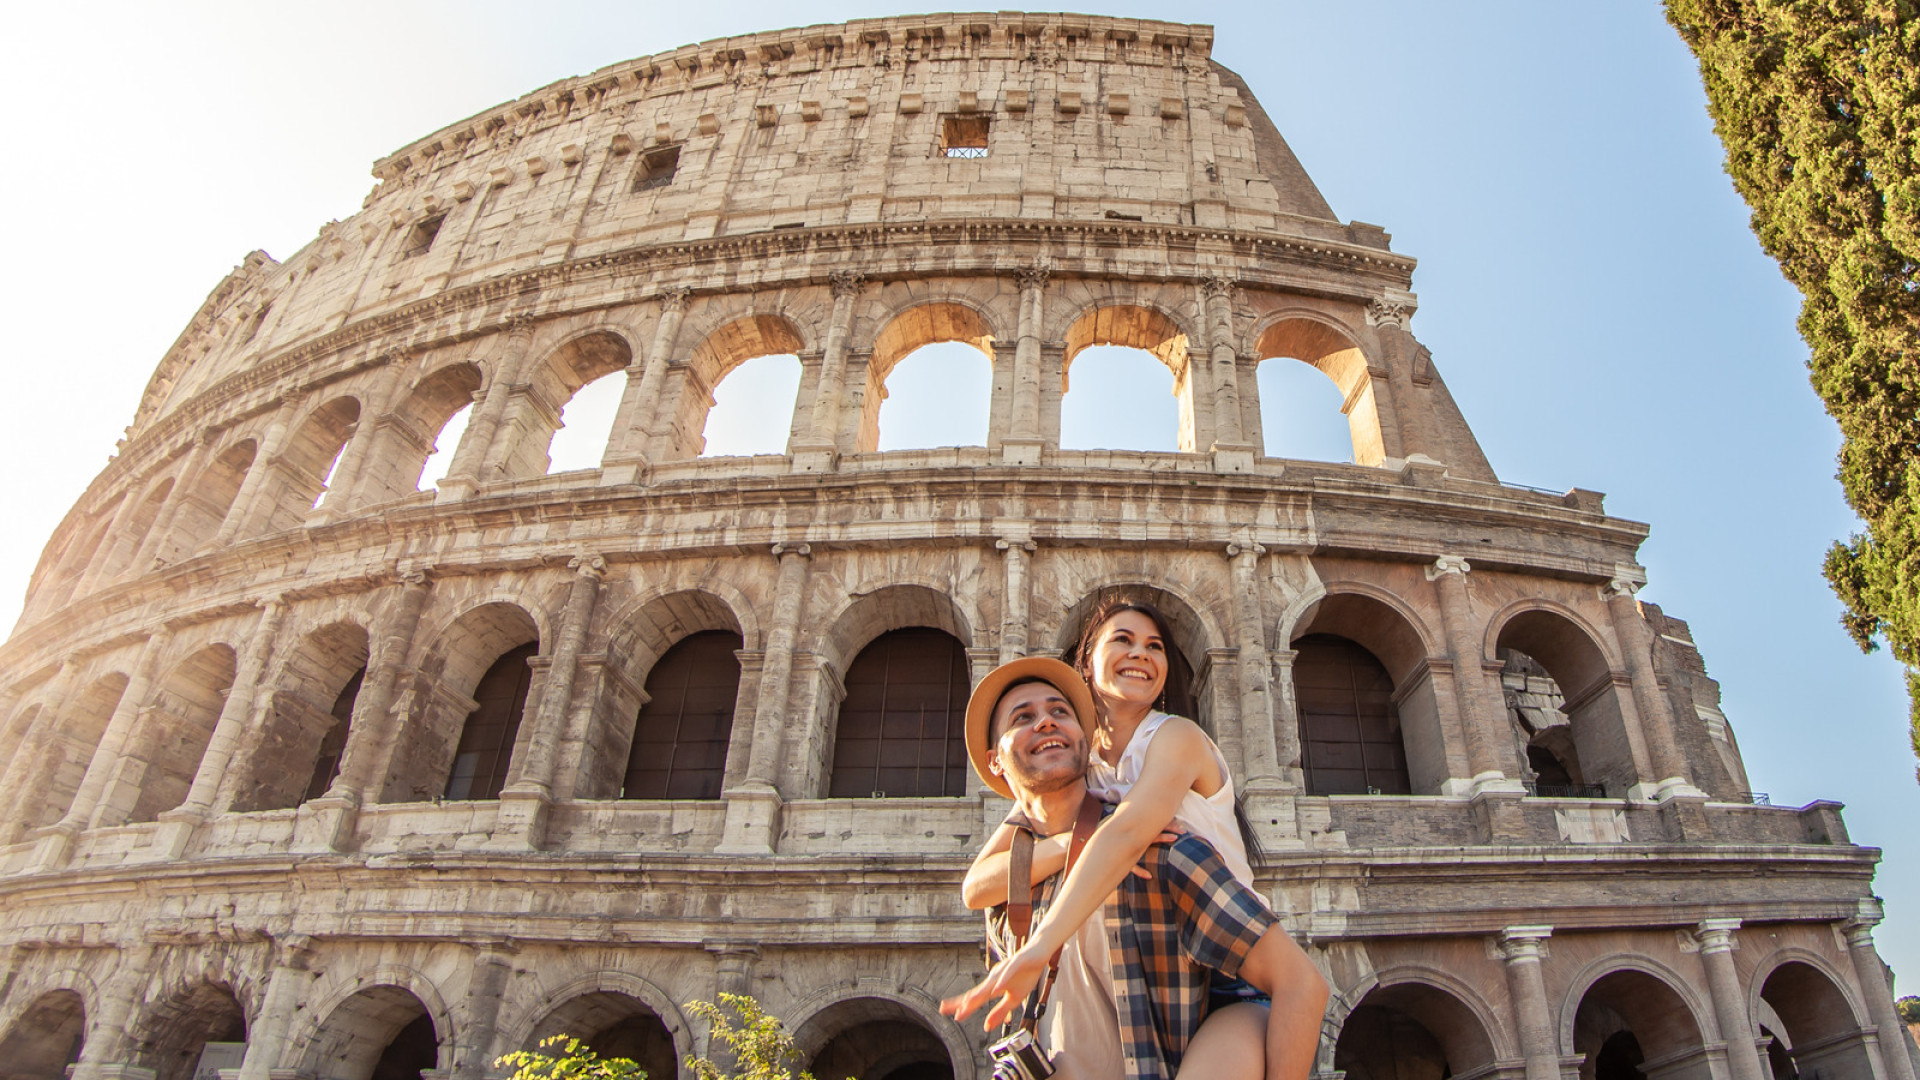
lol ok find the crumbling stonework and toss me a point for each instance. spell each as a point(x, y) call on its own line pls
point(357, 783)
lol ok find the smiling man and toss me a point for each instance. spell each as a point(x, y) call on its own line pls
point(1131, 988)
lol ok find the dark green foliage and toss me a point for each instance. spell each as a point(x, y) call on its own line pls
point(1818, 105)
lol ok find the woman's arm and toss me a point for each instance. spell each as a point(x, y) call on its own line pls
point(985, 885)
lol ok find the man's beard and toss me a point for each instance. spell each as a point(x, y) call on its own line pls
point(1049, 779)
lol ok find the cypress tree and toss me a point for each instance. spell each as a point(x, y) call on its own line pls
point(1818, 105)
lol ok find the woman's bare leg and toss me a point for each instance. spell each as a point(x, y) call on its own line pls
point(1230, 1045)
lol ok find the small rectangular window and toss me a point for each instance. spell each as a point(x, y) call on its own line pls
point(657, 169)
point(964, 137)
point(420, 239)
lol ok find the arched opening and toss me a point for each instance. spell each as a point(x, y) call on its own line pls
point(208, 502)
point(1561, 672)
point(1658, 1026)
point(537, 429)
point(872, 1039)
point(70, 750)
point(1348, 719)
point(681, 734)
point(1115, 359)
point(1336, 356)
point(13, 735)
point(614, 1025)
point(1818, 1034)
point(1350, 738)
point(46, 1039)
point(306, 465)
point(1302, 414)
point(1412, 1031)
point(297, 752)
point(191, 1033)
point(926, 364)
point(1186, 690)
point(127, 546)
point(465, 708)
point(422, 426)
point(735, 395)
point(380, 1033)
point(901, 732)
point(176, 728)
point(75, 562)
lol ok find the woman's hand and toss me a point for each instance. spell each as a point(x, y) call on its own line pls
point(1010, 982)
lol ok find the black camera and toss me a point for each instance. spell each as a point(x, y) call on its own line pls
point(1019, 1057)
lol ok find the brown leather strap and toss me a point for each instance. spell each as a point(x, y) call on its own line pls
point(1020, 882)
point(1020, 885)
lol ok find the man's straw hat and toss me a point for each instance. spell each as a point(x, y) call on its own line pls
point(987, 695)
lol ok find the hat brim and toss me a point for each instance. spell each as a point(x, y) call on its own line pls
point(993, 687)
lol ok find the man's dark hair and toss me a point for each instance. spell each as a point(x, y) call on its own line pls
point(993, 718)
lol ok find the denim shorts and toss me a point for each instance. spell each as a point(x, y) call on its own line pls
point(1222, 992)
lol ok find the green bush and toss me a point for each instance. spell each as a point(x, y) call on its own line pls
point(1909, 1010)
point(759, 1045)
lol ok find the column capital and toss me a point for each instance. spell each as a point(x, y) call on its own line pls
point(784, 548)
point(1859, 931)
point(1449, 564)
point(1235, 549)
point(1519, 944)
point(1626, 581)
point(1716, 935)
point(588, 565)
point(1395, 307)
point(1034, 276)
point(413, 578)
point(1218, 287)
point(846, 282)
point(495, 950)
point(519, 324)
point(294, 951)
point(1004, 544)
point(674, 298)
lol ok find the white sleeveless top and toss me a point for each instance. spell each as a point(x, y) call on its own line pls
point(1208, 817)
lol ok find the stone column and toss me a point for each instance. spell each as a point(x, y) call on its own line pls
point(525, 803)
point(17, 782)
point(820, 450)
point(88, 806)
point(486, 986)
point(1231, 451)
point(112, 546)
point(177, 825)
point(155, 546)
point(1873, 986)
point(1482, 726)
point(104, 1054)
point(267, 1035)
point(1014, 620)
point(1715, 937)
point(753, 807)
point(1286, 720)
point(732, 974)
point(257, 485)
point(328, 820)
point(1261, 767)
point(1522, 948)
point(465, 474)
point(1024, 441)
point(625, 461)
point(1656, 719)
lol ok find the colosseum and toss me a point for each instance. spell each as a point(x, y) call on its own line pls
point(314, 773)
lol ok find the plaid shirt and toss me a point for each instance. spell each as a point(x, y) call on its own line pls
point(1166, 937)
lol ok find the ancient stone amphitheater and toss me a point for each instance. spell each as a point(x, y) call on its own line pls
point(313, 774)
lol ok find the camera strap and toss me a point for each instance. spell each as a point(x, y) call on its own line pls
point(1020, 894)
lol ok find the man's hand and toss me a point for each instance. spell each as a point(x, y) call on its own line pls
point(1010, 981)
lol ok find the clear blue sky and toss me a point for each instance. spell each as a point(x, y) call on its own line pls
point(1588, 283)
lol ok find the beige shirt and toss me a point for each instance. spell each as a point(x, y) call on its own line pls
point(1081, 1027)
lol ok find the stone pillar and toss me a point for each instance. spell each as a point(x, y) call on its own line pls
point(1715, 937)
point(1024, 441)
point(111, 548)
point(753, 808)
point(345, 471)
point(486, 986)
point(325, 822)
point(625, 461)
point(1872, 974)
point(466, 473)
point(820, 450)
point(1656, 719)
point(1522, 948)
point(177, 825)
point(155, 546)
point(732, 974)
point(88, 805)
point(1017, 550)
point(1483, 727)
point(1286, 719)
point(105, 1052)
point(525, 803)
point(1231, 451)
point(267, 1035)
point(256, 485)
point(1260, 767)
point(18, 785)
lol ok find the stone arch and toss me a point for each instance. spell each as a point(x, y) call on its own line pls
point(1669, 1023)
point(1597, 699)
point(301, 469)
point(528, 430)
point(922, 323)
point(70, 747)
point(303, 731)
point(70, 569)
point(13, 733)
point(363, 1020)
point(875, 1032)
point(1196, 633)
point(1385, 627)
point(536, 1021)
point(176, 726)
point(1149, 327)
point(441, 700)
point(1329, 347)
point(407, 434)
point(722, 349)
point(1821, 1029)
point(137, 528)
point(1415, 1023)
point(644, 632)
point(170, 1034)
point(205, 506)
point(616, 1015)
point(45, 1036)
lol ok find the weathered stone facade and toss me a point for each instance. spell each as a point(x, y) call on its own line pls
point(238, 726)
